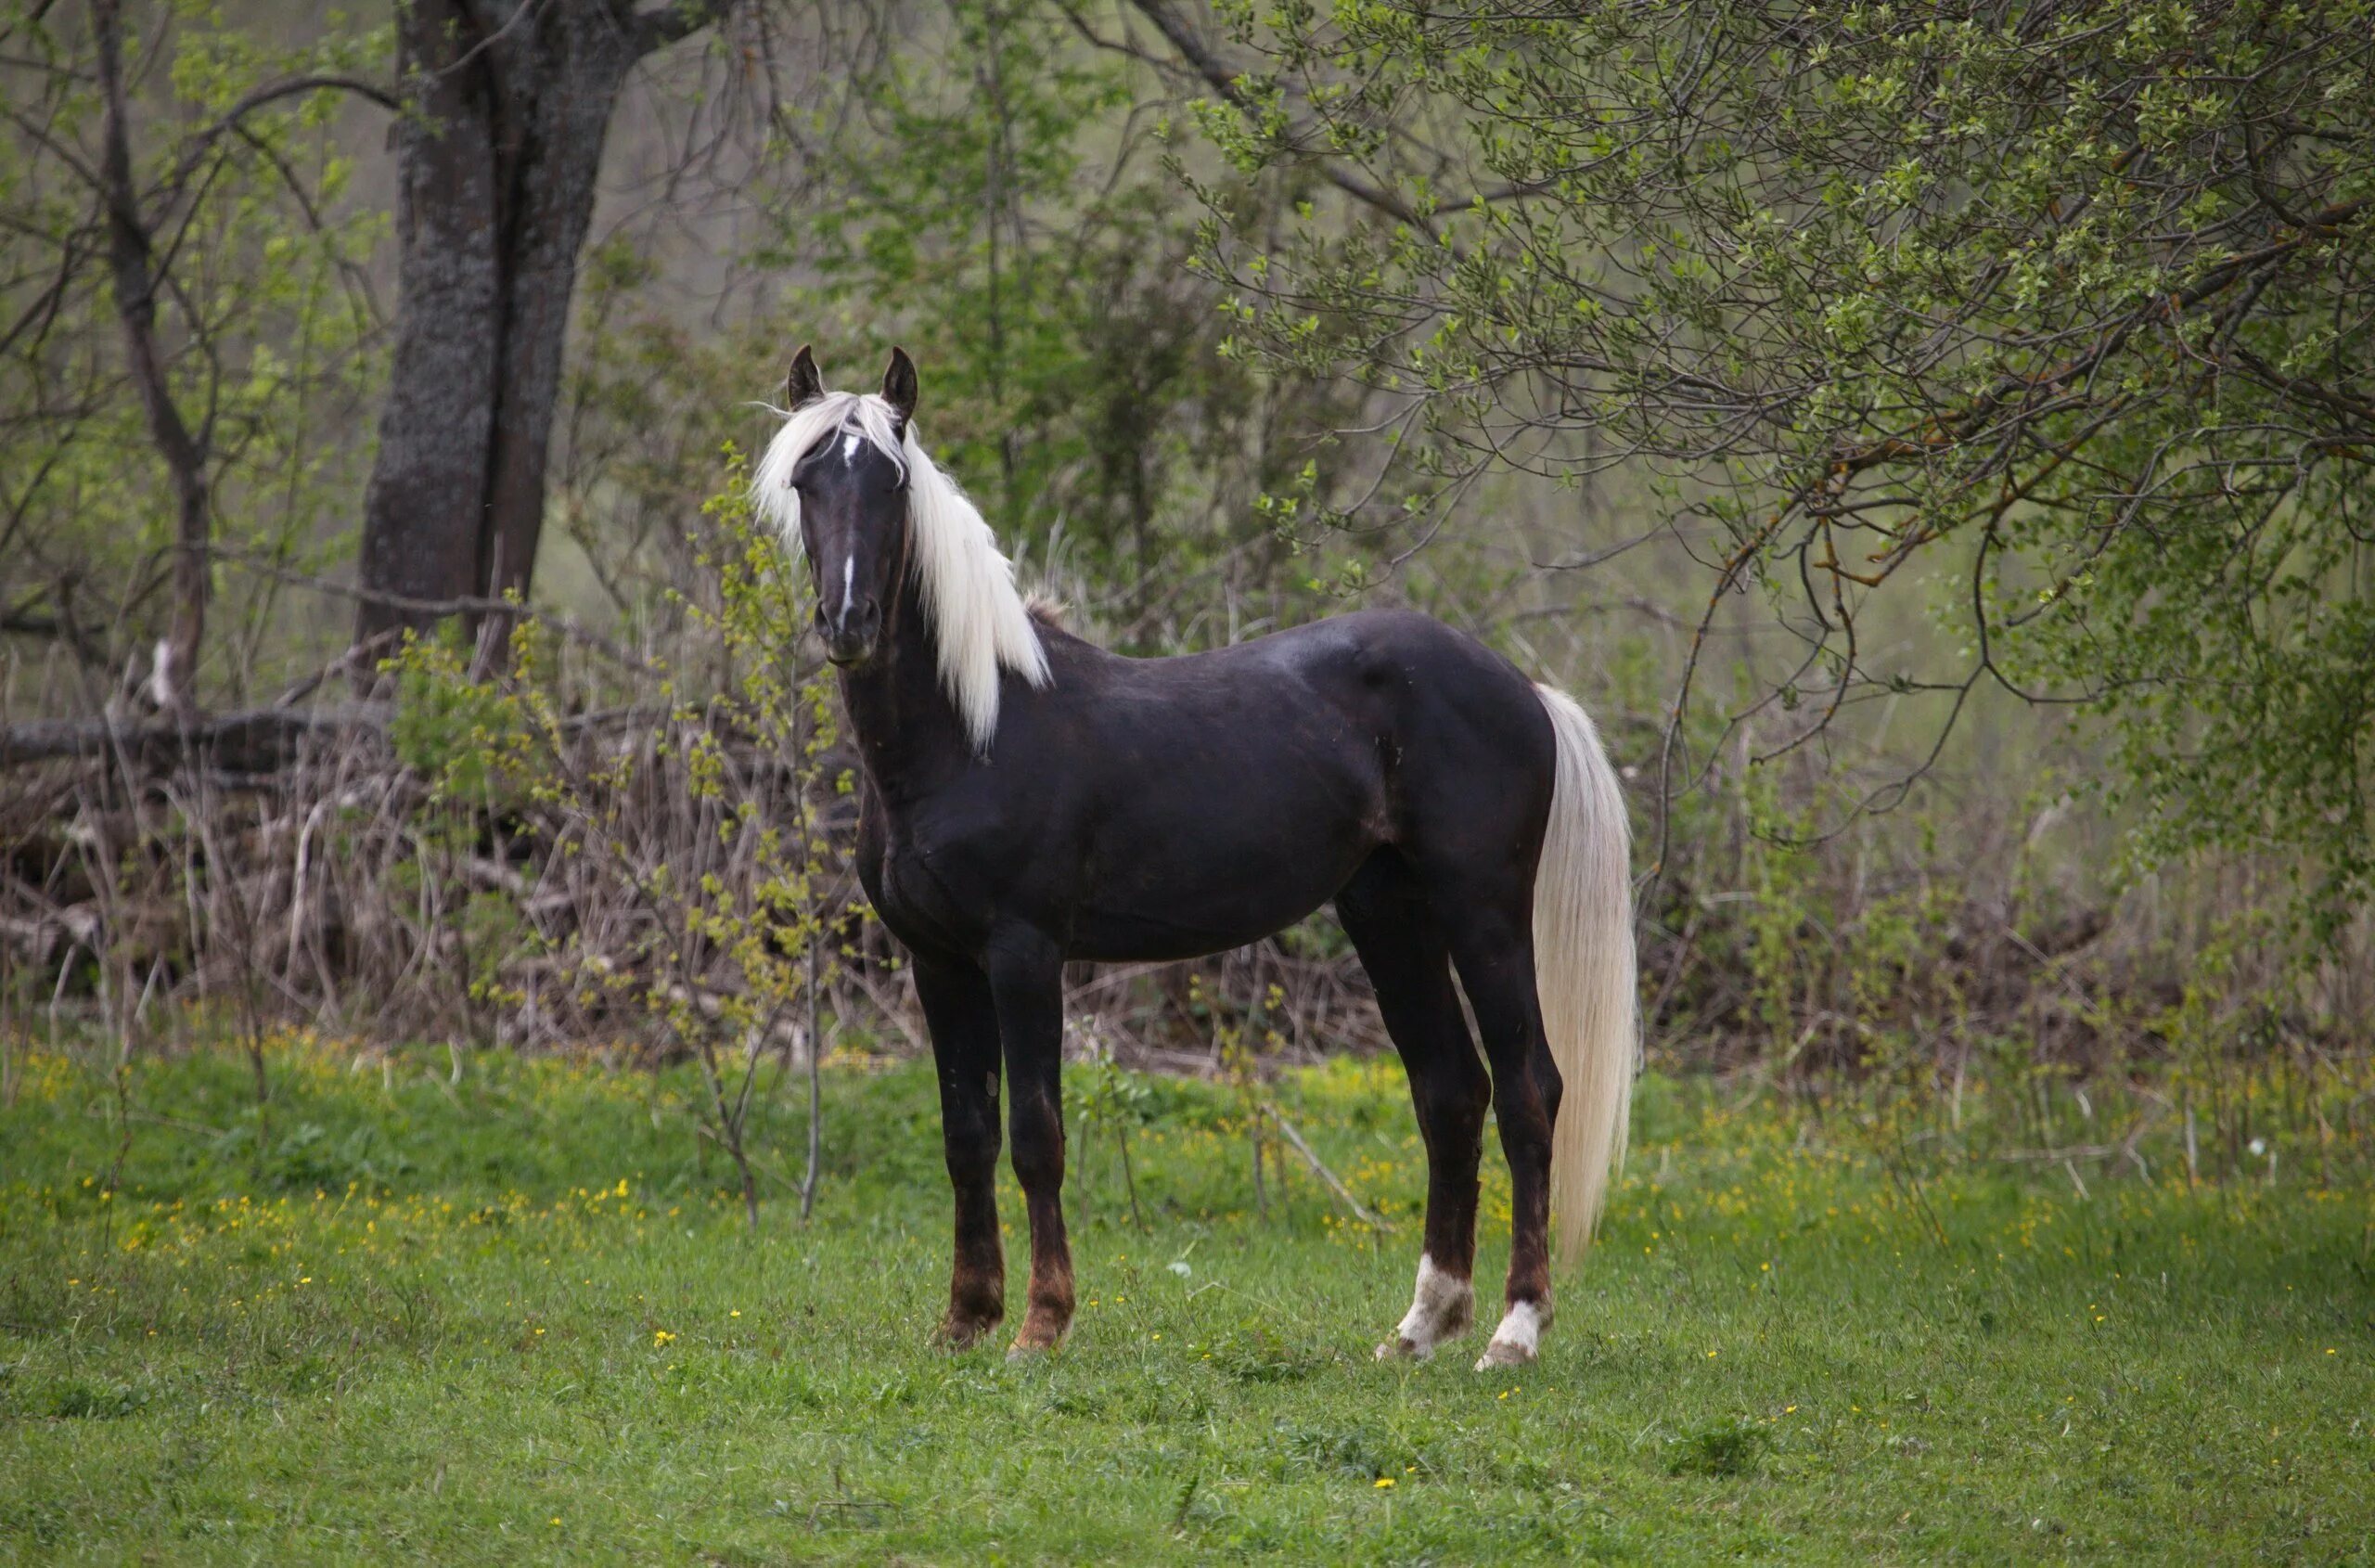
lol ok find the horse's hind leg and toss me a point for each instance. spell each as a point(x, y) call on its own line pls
point(965, 1049)
point(1493, 945)
point(1410, 966)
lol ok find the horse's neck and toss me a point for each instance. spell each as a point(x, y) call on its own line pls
point(906, 729)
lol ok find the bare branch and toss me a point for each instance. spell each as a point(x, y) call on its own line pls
point(130, 259)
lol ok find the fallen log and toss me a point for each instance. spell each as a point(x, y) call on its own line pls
point(257, 741)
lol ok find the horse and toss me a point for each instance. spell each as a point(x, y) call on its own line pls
point(1029, 797)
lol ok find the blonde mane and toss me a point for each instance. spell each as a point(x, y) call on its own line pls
point(980, 623)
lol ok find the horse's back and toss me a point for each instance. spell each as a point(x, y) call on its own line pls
point(1388, 668)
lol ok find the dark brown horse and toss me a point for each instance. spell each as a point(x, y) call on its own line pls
point(1030, 798)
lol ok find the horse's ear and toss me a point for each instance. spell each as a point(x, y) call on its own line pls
point(804, 385)
point(899, 385)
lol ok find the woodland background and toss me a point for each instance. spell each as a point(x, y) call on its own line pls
point(1934, 440)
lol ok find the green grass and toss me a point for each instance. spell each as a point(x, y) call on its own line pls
point(514, 1319)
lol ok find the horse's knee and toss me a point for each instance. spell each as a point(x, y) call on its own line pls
point(972, 1162)
point(1039, 1152)
point(970, 1142)
point(1038, 1168)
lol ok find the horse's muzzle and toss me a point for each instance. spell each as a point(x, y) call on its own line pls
point(850, 635)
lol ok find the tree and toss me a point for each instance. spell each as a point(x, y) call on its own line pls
point(509, 105)
point(2058, 313)
point(182, 309)
point(1013, 223)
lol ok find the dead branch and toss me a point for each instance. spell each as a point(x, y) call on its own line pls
point(1319, 1168)
point(131, 261)
point(258, 739)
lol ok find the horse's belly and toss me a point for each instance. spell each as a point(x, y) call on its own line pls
point(1218, 879)
point(1162, 929)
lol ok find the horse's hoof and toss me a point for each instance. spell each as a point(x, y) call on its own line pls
point(1504, 1353)
point(1036, 1338)
point(1514, 1342)
point(1441, 1307)
point(964, 1333)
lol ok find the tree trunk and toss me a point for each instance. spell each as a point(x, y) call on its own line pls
point(499, 170)
point(426, 504)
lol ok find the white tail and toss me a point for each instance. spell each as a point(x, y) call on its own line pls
point(1584, 970)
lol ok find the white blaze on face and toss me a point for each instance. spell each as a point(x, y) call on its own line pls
point(849, 584)
point(1441, 1306)
point(1518, 1338)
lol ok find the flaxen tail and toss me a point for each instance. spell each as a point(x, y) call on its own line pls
point(1584, 970)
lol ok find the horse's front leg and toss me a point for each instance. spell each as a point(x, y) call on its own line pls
point(1027, 978)
point(964, 1025)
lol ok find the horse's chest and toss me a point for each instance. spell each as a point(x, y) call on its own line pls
point(922, 887)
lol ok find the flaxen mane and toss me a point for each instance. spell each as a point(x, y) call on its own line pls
point(981, 623)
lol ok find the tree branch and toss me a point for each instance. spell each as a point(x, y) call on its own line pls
point(1223, 80)
point(655, 30)
point(130, 259)
point(270, 92)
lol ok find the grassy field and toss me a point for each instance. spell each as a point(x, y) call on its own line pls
point(510, 1316)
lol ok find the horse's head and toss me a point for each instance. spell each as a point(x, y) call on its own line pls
point(852, 503)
